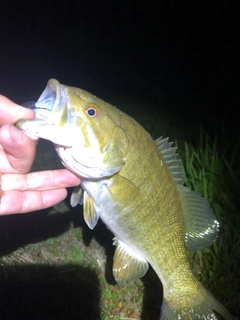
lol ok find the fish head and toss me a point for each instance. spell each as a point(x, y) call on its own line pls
point(86, 131)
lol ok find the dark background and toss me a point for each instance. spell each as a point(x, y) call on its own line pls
point(177, 58)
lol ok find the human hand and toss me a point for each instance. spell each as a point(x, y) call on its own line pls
point(20, 191)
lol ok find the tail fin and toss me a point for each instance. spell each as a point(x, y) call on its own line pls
point(204, 310)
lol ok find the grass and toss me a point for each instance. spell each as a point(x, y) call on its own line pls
point(53, 267)
point(73, 257)
point(215, 174)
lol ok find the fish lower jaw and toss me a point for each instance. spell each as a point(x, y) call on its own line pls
point(88, 166)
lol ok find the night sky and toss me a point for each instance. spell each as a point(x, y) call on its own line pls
point(179, 58)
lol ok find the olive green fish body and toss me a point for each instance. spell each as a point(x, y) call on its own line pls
point(136, 186)
point(152, 213)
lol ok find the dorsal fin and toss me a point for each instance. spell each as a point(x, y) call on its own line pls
point(200, 222)
point(201, 225)
point(172, 159)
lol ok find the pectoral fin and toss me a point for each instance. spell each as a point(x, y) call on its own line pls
point(80, 196)
point(89, 211)
point(77, 196)
point(127, 265)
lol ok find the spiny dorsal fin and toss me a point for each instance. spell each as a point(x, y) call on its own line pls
point(172, 159)
point(200, 222)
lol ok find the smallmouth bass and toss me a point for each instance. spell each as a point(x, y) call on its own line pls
point(136, 186)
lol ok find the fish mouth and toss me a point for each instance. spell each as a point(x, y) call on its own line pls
point(50, 115)
point(29, 104)
point(52, 98)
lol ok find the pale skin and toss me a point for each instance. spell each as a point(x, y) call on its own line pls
point(21, 191)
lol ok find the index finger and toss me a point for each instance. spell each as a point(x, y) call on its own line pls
point(11, 112)
point(41, 180)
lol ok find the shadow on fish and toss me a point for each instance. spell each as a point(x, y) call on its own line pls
point(136, 186)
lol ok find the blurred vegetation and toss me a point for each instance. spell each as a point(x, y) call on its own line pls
point(55, 246)
point(215, 175)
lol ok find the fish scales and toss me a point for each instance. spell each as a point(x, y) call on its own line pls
point(168, 230)
point(171, 228)
point(136, 186)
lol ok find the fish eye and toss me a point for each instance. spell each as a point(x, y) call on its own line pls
point(92, 111)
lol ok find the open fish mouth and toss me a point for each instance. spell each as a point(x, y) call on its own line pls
point(50, 115)
point(32, 105)
point(52, 98)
